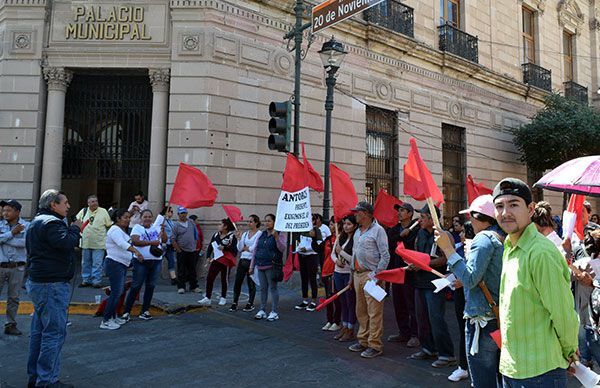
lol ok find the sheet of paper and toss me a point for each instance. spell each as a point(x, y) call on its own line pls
point(587, 377)
point(440, 284)
point(306, 243)
point(568, 223)
point(451, 278)
point(254, 277)
point(217, 252)
point(433, 252)
point(374, 290)
point(595, 264)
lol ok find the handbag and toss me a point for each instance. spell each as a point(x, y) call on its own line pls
point(154, 250)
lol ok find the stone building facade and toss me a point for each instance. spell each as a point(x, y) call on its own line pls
point(110, 96)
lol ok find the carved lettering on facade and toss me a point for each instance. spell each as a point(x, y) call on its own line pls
point(97, 22)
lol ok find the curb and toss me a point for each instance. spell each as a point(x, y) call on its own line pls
point(80, 308)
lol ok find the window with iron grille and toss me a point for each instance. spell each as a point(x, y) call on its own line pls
point(454, 170)
point(381, 145)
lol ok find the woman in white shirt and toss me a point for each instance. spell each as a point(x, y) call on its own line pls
point(145, 268)
point(246, 242)
point(342, 255)
point(119, 253)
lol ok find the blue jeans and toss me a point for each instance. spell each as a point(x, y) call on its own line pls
point(143, 273)
point(483, 366)
point(48, 330)
point(436, 307)
point(91, 265)
point(116, 273)
point(556, 378)
point(347, 299)
point(592, 344)
point(170, 255)
point(265, 278)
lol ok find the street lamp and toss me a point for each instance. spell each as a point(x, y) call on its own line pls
point(332, 55)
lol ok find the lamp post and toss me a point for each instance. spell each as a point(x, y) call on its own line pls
point(332, 55)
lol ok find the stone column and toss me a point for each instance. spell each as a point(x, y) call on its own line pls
point(159, 79)
point(58, 79)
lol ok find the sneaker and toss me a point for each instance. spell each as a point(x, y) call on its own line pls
point(326, 327)
point(222, 301)
point(197, 290)
point(11, 329)
point(109, 325)
point(444, 362)
point(273, 316)
point(311, 306)
point(233, 307)
point(357, 347)
point(69, 323)
point(423, 355)
point(458, 374)
point(371, 353)
point(205, 301)
point(301, 306)
point(126, 317)
point(398, 338)
point(145, 316)
point(181, 291)
point(119, 321)
point(260, 315)
point(413, 342)
point(249, 307)
point(334, 327)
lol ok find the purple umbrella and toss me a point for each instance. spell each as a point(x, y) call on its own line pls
point(577, 176)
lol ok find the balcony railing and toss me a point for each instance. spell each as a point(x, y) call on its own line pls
point(537, 76)
point(393, 15)
point(576, 92)
point(458, 43)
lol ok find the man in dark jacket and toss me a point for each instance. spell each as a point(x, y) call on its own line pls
point(50, 244)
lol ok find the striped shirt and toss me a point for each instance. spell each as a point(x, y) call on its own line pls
point(538, 321)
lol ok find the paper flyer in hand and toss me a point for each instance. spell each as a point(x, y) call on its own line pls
point(374, 290)
point(217, 252)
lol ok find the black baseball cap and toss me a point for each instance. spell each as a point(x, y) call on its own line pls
point(364, 206)
point(425, 210)
point(406, 206)
point(12, 203)
point(513, 186)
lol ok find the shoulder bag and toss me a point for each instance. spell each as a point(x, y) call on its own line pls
point(154, 250)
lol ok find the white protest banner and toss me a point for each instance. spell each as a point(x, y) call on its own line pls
point(293, 212)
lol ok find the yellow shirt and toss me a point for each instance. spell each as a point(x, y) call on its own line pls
point(94, 234)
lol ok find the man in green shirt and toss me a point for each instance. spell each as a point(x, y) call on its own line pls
point(538, 321)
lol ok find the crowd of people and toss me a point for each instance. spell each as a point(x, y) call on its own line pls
point(511, 269)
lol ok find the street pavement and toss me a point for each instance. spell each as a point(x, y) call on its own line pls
point(217, 348)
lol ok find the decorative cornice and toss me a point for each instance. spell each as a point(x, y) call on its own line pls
point(58, 78)
point(570, 16)
point(23, 3)
point(159, 79)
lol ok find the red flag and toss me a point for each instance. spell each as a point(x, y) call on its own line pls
point(419, 259)
point(384, 212)
point(392, 275)
point(314, 179)
point(294, 178)
point(290, 264)
point(475, 190)
point(576, 207)
point(228, 259)
point(328, 263)
point(233, 212)
point(192, 188)
point(497, 337)
point(418, 182)
point(343, 194)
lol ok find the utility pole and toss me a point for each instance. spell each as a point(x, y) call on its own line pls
point(296, 34)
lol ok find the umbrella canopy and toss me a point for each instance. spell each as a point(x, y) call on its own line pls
point(577, 176)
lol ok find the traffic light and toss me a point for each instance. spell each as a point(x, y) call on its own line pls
point(280, 126)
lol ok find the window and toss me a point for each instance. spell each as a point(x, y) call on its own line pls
point(454, 171)
point(528, 35)
point(450, 12)
point(568, 55)
point(381, 145)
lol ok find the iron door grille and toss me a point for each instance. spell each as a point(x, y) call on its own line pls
point(454, 170)
point(107, 127)
point(381, 160)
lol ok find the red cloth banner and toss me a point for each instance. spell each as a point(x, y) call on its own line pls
point(233, 212)
point(192, 188)
point(384, 212)
point(343, 194)
point(314, 179)
point(419, 259)
point(392, 275)
point(475, 190)
point(294, 178)
point(418, 182)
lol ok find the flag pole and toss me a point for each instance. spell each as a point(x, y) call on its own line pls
point(433, 212)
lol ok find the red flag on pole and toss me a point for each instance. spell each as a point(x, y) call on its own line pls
point(418, 182)
point(314, 179)
point(290, 264)
point(475, 190)
point(576, 207)
point(294, 178)
point(233, 213)
point(192, 188)
point(228, 259)
point(419, 259)
point(384, 211)
point(392, 275)
point(343, 194)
